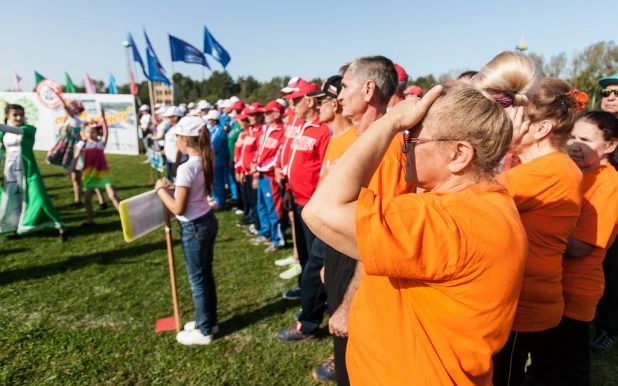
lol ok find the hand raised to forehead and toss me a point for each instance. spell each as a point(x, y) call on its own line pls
point(407, 113)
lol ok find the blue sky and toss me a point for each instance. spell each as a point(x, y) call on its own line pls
point(310, 38)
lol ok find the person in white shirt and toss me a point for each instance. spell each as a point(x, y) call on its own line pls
point(198, 224)
point(146, 125)
point(172, 115)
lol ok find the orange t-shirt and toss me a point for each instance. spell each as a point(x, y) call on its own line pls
point(547, 192)
point(336, 147)
point(583, 281)
point(389, 178)
point(453, 265)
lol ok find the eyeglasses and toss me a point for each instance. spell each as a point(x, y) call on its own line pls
point(607, 92)
point(407, 139)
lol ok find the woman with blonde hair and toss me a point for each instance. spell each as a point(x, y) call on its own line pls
point(431, 321)
point(547, 189)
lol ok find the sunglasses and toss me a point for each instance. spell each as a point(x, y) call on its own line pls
point(407, 139)
point(607, 92)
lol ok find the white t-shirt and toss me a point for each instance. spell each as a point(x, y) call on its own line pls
point(191, 175)
point(170, 147)
point(145, 122)
point(163, 126)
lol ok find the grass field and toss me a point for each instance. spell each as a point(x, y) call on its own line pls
point(83, 312)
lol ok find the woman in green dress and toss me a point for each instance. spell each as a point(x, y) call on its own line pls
point(25, 206)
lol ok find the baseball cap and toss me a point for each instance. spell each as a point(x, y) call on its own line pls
point(234, 99)
point(212, 114)
point(282, 102)
point(414, 89)
point(144, 108)
point(183, 109)
point(288, 111)
point(227, 103)
point(189, 126)
point(330, 87)
point(161, 109)
point(238, 105)
point(402, 75)
point(292, 84)
point(157, 105)
point(606, 81)
point(218, 103)
point(301, 90)
point(203, 105)
point(274, 106)
point(171, 111)
point(255, 108)
point(195, 112)
point(241, 117)
point(191, 105)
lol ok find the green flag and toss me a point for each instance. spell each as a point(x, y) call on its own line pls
point(37, 78)
point(70, 87)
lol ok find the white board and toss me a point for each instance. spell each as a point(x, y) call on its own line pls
point(140, 215)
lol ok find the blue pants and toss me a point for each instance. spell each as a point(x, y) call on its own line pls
point(269, 206)
point(231, 182)
point(218, 191)
point(198, 243)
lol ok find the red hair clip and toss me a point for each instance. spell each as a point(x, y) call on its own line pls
point(579, 99)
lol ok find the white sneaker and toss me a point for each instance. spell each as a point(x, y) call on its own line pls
point(189, 338)
point(285, 262)
point(239, 212)
point(190, 326)
point(292, 272)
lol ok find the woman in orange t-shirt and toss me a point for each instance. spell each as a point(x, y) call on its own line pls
point(443, 251)
point(546, 188)
point(591, 147)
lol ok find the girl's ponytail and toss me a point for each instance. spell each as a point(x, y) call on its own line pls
point(208, 159)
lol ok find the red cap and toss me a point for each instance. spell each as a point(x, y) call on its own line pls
point(274, 106)
point(238, 105)
point(292, 84)
point(414, 89)
point(289, 111)
point(255, 108)
point(301, 90)
point(241, 117)
point(402, 76)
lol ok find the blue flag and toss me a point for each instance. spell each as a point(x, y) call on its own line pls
point(136, 56)
point(185, 52)
point(113, 89)
point(155, 69)
point(216, 50)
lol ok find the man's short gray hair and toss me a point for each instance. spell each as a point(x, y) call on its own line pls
point(377, 68)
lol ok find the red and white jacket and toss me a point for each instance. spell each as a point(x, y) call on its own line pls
point(307, 154)
point(245, 149)
point(291, 131)
point(270, 143)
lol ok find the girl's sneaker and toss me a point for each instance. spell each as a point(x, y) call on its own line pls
point(189, 338)
point(285, 262)
point(292, 272)
point(190, 326)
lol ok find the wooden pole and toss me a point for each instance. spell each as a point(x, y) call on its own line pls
point(170, 260)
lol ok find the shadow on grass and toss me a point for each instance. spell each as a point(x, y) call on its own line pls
point(121, 188)
point(239, 322)
point(11, 251)
point(77, 262)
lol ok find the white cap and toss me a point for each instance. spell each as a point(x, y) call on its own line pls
point(219, 102)
point(171, 111)
point(194, 112)
point(282, 102)
point(189, 126)
point(234, 99)
point(144, 108)
point(227, 104)
point(183, 109)
point(157, 105)
point(212, 114)
point(191, 105)
point(161, 108)
point(203, 105)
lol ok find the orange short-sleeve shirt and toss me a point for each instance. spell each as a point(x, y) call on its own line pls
point(547, 192)
point(336, 147)
point(453, 264)
point(583, 281)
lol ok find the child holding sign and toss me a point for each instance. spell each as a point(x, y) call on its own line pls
point(198, 224)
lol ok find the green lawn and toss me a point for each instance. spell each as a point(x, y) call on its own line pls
point(83, 312)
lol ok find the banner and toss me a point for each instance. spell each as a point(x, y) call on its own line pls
point(120, 112)
point(185, 52)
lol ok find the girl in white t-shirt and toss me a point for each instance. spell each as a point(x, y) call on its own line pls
point(198, 224)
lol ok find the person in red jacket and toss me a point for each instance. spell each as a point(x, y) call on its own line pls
point(269, 205)
point(244, 162)
point(303, 174)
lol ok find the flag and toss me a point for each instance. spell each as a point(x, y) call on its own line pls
point(113, 89)
point(216, 50)
point(16, 80)
point(136, 56)
point(185, 52)
point(89, 84)
point(155, 69)
point(133, 85)
point(70, 87)
point(37, 78)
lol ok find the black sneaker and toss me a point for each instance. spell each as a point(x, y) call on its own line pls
point(102, 206)
point(603, 341)
point(292, 294)
point(293, 334)
point(242, 222)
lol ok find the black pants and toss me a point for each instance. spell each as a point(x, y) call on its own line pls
point(312, 294)
point(566, 361)
point(607, 309)
point(510, 362)
point(249, 200)
point(304, 239)
point(338, 272)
